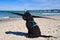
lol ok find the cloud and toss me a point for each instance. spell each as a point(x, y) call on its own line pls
point(44, 4)
point(47, 1)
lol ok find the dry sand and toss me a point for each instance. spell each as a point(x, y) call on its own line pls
point(18, 29)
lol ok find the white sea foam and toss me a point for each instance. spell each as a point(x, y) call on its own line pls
point(4, 17)
point(51, 14)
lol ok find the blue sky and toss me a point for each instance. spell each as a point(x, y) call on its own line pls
point(29, 4)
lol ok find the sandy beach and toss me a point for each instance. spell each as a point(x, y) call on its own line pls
point(15, 29)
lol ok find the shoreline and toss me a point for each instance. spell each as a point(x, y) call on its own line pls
point(55, 18)
point(21, 17)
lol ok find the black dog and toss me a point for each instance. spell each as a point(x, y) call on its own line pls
point(33, 29)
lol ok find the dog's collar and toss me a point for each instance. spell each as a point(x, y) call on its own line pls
point(33, 23)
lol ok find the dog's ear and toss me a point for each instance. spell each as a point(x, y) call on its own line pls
point(20, 14)
point(36, 16)
point(42, 17)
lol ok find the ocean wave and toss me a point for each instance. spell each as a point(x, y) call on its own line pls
point(4, 17)
point(50, 14)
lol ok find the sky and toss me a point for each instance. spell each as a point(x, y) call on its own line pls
point(29, 4)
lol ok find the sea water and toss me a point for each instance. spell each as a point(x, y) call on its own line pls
point(6, 14)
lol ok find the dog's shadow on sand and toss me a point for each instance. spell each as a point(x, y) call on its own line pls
point(25, 34)
point(17, 33)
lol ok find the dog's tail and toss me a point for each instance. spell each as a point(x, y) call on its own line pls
point(47, 36)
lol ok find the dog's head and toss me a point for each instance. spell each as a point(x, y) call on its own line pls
point(27, 16)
